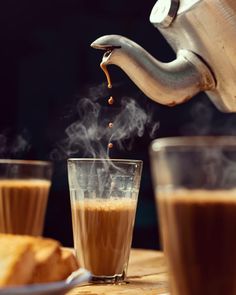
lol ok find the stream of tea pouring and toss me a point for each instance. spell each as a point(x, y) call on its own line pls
point(105, 70)
point(109, 85)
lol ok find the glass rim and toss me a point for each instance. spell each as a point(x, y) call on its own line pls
point(126, 161)
point(25, 162)
point(215, 141)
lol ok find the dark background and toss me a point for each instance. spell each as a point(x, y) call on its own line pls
point(47, 65)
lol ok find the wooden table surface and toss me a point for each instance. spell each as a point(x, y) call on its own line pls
point(147, 274)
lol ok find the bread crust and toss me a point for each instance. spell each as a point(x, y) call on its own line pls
point(48, 255)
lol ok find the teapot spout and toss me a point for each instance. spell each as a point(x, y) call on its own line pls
point(166, 83)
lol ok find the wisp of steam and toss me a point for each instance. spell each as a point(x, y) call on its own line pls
point(219, 166)
point(90, 134)
point(14, 146)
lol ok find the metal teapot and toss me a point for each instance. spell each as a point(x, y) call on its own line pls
point(203, 35)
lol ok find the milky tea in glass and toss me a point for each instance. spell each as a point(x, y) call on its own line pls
point(103, 203)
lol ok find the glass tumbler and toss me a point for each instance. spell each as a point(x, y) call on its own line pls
point(103, 202)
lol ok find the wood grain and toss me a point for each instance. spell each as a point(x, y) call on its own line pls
point(147, 274)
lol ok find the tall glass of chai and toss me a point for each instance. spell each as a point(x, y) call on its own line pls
point(103, 202)
point(195, 186)
point(24, 189)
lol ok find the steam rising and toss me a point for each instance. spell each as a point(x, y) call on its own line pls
point(12, 147)
point(201, 119)
point(90, 134)
point(219, 165)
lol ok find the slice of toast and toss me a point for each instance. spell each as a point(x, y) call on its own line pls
point(35, 259)
point(17, 261)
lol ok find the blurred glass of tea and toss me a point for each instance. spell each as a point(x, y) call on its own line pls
point(195, 187)
point(24, 189)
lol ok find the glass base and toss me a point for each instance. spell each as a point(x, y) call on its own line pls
point(116, 279)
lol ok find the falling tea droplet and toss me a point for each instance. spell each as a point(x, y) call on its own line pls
point(111, 100)
point(110, 125)
point(110, 145)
